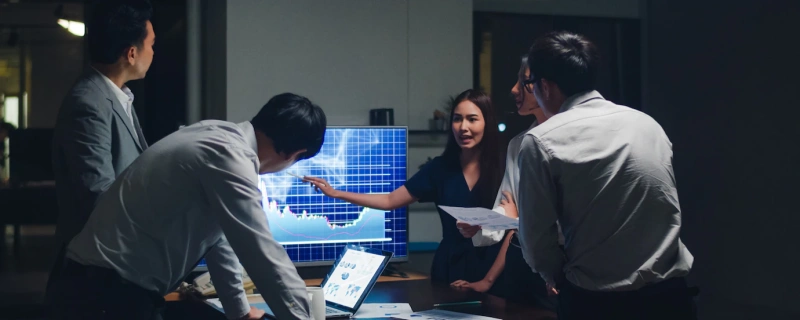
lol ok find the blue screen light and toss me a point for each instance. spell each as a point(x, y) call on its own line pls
point(501, 127)
point(314, 228)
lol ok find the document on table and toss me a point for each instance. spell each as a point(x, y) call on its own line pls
point(441, 315)
point(382, 310)
point(483, 217)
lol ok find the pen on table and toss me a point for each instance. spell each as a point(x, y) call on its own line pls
point(301, 178)
point(456, 304)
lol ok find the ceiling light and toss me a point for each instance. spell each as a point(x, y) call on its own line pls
point(74, 27)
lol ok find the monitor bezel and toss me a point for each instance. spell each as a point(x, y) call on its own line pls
point(394, 258)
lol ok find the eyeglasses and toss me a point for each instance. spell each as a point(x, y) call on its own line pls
point(529, 83)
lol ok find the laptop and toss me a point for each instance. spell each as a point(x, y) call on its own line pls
point(346, 285)
point(351, 278)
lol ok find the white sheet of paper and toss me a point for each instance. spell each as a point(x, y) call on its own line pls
point(382, 310)
point(215, 303)
point(483, 217)
point(441, 315)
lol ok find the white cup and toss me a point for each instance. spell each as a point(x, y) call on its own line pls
point(316, 298)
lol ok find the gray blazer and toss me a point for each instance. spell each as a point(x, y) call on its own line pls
point(93, 143)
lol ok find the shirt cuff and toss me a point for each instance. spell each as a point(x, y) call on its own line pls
point(235, 307)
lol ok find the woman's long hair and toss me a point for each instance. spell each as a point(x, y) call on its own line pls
point(491, 148)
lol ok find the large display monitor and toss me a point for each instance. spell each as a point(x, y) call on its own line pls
point(314, 228)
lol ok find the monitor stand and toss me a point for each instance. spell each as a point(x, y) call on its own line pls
point(391, 271)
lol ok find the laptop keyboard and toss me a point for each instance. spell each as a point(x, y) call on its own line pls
point(329, 310)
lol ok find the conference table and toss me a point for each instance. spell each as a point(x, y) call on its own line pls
point(420, 294)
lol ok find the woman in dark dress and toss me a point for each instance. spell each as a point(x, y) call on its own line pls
point(467, 174)
point(521, 283)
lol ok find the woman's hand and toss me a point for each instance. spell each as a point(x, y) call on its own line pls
point(322, 185)
point(551, 289)
point(480, 286)
point(508, 204)
point(467, 230)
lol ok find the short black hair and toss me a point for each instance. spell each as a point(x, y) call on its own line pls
point(115, 26)
point(293, 123)
point(565, 58)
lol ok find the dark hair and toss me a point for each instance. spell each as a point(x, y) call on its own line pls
point(115, 26)
point(492, 152)
point(293, 123)
point(565, 58)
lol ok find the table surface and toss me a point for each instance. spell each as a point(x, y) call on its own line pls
point(420, 294)
point(175, 296)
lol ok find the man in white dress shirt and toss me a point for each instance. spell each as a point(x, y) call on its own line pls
point(604, 172)
point(194, 194)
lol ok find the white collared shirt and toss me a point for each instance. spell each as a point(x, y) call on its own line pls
point(604, 172)
point(125, 97)
point(510, 183)
point(193, 195)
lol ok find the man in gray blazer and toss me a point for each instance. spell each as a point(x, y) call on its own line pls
point(97, 133)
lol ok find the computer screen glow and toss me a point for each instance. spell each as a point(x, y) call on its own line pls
point(314, 228)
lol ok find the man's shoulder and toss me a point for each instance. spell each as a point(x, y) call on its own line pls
point(89, 83)
point(221, 129)
point(86, 94)
point(599, 112)
point(218, 137)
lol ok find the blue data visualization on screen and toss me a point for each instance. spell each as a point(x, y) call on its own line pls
point(314, 228)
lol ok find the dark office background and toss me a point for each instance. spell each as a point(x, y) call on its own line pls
point(720, 77)
point(617, 40)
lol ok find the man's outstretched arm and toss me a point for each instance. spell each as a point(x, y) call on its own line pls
point(226, 274)
point(230, 181)
point(538, 229)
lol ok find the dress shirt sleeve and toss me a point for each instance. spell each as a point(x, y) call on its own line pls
point(538, 230)
point(226, 274)
point(230, 182)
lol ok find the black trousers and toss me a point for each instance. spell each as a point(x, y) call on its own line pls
point(94, 293)
point(521, 284)
point(55, 271)
point(668, 300)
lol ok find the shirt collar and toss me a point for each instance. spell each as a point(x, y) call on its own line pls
point(579, 98)
point(249, 134)
point(124, 94)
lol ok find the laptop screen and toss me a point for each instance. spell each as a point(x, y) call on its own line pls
point(352, 277)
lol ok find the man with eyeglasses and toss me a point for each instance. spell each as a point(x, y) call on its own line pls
point(604, 172)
